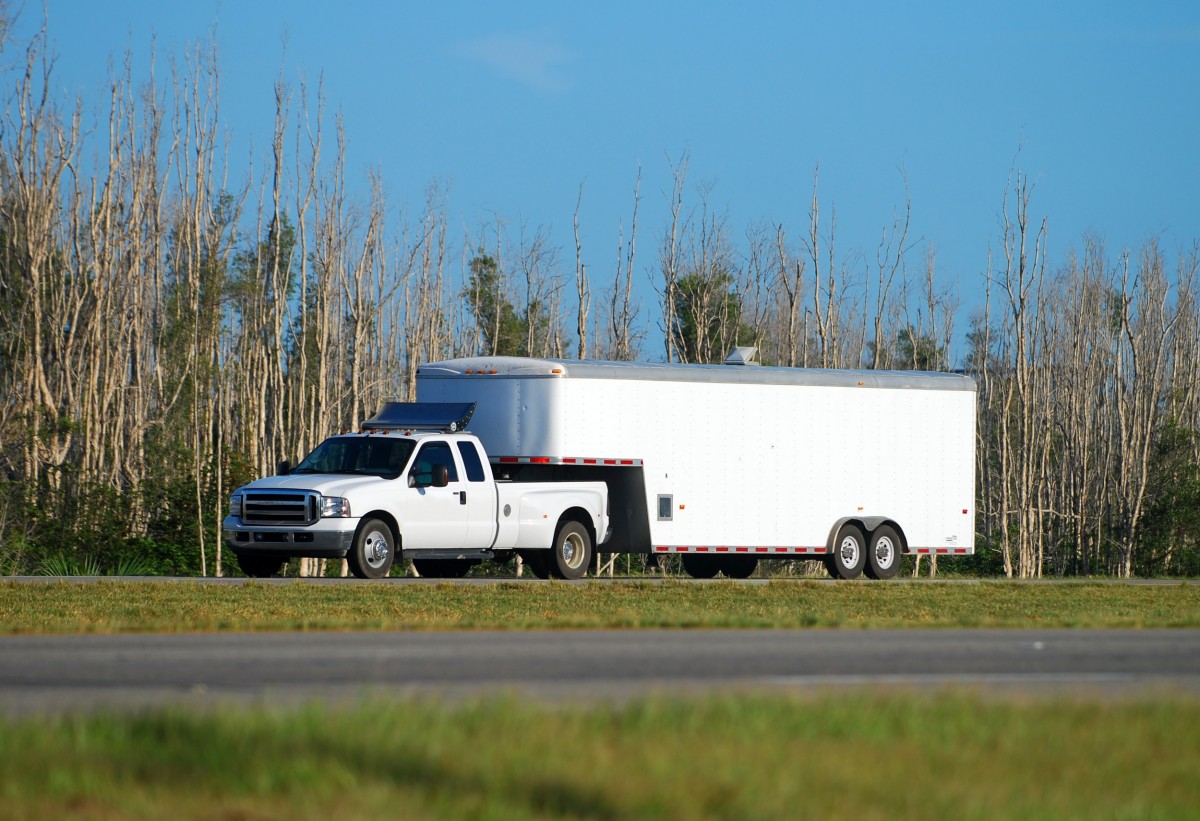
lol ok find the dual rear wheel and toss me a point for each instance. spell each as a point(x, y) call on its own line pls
point(569, 556)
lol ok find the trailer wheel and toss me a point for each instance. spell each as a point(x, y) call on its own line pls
point(698, 566)
point(883, 558)
point(849, 553)
point(739, 567)
point(373, 551)
point(572, 551)
point(259, 565)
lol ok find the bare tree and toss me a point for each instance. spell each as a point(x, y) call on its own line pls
point(889, 261)
point(669, 254)
point(1023, 433)
point(583, 291)
point(622, 312)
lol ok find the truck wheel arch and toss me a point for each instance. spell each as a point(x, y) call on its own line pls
point(578, 514)
point(389, 520)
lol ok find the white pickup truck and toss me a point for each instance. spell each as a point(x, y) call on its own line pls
point(412, 482)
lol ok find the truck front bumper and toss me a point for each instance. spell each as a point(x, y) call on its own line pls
point(327, 539)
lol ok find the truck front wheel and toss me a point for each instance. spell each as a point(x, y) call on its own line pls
point(849, 553)
point(373, 551)
point(572, 551)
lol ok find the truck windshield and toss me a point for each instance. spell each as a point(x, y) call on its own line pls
point(365, 455)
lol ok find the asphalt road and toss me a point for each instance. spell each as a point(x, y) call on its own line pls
point(53, 674)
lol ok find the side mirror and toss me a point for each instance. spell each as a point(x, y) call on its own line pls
point(283, 468)
point(433, 476)
point(441, 476)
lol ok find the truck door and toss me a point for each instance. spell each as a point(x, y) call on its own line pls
point(481, 498)
point(434, 517)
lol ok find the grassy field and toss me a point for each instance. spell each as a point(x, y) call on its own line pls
point(856, 757)
point(120, 607)
point(859, 754)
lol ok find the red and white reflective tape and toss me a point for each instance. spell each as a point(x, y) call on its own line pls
point(943, 551)
point(568, 460)
point(756, 550)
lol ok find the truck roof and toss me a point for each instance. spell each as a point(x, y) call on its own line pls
point(529, 367)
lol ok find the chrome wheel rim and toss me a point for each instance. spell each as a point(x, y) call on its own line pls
point(376, 549)
point(848, 551)
point(885, 552)
point(572, 550)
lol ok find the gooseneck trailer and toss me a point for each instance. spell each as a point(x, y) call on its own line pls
point(727, 465)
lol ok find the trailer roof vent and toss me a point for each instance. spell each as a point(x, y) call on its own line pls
point(446, 417)
point(742, 356)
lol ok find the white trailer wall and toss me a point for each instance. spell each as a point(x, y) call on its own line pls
point(770, 459)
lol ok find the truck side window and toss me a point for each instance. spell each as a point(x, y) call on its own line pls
point(434, 453)
point(471, 462)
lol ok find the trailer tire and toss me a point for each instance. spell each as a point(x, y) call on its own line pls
point(571, 553)
point(849, 553)
point(883, 557)
point(699, 566)
point(259, 565)
point(373, 551)
point(739, 567)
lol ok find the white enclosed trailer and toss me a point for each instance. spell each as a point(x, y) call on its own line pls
point(728, 464)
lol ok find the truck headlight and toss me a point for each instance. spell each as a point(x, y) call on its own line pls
point(334, 507)
point(235, 505)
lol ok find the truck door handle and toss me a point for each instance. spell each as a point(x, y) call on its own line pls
point(462, 497)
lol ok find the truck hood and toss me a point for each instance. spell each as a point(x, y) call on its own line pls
point(327, 484)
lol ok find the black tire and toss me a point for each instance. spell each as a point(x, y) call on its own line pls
point(571, 553)
point(739, 567)
point(699, 565)
point(849, 553)
point(883, 556)
point(538, 562)
point(373, 551)
point(259, 565)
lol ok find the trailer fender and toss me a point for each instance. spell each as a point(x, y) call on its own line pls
point(868, 524)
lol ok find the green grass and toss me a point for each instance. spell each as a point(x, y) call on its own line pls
point(861, 754)
point(858, 756)
point(123, 607)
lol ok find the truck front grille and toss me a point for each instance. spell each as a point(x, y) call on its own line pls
point(280, 507)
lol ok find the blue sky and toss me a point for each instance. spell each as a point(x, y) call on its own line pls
point(514, 105)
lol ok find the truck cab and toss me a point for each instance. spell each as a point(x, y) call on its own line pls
point(411, 480)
